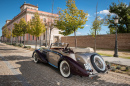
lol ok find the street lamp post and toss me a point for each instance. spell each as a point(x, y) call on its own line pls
point(46, 33)
point(116, 45)
point(11, 35)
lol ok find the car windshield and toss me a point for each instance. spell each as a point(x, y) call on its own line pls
point(60, 45)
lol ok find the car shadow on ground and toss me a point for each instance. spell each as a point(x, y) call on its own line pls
point(8, 49)
point(14, 57)
point(45, 75)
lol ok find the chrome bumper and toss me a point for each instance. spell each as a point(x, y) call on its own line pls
point(96, 74)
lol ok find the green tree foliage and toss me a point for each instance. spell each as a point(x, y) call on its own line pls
point(96, 26)
point(23, 27)
point(71, 19)
point(17, 31)
point(36, 26)
point(123, 12)
point(6, 32)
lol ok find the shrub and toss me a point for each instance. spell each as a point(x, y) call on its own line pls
point(8, 43)
point(127, 68)
point(25, 46)
point(113, 69)
point(20, 45)
point(14, 44)
point(17, 44)
point(118, 67)
point(28, 47)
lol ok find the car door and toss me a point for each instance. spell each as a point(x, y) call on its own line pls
point(54, 57)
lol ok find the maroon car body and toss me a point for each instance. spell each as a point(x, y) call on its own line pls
point(69, 62)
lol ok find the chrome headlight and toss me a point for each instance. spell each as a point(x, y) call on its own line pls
point(88, 66)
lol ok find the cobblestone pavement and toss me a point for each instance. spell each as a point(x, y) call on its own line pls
point(18, 69)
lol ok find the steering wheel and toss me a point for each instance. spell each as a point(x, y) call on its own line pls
point(65, 49)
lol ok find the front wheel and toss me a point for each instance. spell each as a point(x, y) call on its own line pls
point(65, 69)
point(35, 58)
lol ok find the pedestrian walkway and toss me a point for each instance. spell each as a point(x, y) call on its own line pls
point(116, 60)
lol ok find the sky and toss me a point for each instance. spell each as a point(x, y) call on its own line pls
point(11, 8)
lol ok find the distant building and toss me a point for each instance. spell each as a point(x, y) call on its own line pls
point(27, 12)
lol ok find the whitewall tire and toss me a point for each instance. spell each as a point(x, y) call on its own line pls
point(35, 58)
point(65, 69)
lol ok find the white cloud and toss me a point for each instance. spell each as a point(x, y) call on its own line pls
point(88, 15)
point(105, 12)
point(100, 18)
point(86, 25)
point(78, 33)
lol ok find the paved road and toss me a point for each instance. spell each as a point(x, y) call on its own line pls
point(18, 69)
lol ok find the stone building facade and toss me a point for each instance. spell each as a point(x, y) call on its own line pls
point(27, 12)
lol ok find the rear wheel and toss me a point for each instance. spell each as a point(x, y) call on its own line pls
point(65, 69)
point(98, 63)
point(35, 58)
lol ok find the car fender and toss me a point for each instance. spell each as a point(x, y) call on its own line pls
point(75, 68)
point(40, 56)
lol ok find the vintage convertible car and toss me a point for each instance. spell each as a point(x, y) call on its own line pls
point(77, 61)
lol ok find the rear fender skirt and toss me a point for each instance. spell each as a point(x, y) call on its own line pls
point(76, 68)
point(41, 57)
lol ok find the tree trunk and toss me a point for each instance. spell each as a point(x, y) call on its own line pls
point(20, 39)
point(95, 42)
point(49, 39)
point(46, 37)
point(17, 39)
point(75, 39)
point(24, 40)
point(40, 41)
point(36, 43)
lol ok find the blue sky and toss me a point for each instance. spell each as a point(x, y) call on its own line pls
point(11, 8)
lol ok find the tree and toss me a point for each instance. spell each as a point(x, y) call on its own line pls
point(23, 27)
point(71, 19)
point(6, 32)
point(123, 12)
point(17, 31)
point(95, 29)
point(36, 27)
point(96, 26)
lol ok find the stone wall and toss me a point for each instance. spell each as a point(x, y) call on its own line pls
point(102, 41)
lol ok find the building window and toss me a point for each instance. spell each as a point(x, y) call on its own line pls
point(32, 17)
point(33, 37)
point(44, 19)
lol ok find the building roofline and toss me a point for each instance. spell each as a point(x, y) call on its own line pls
point(29, 5)
point(24, 11)
point(8, 20)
